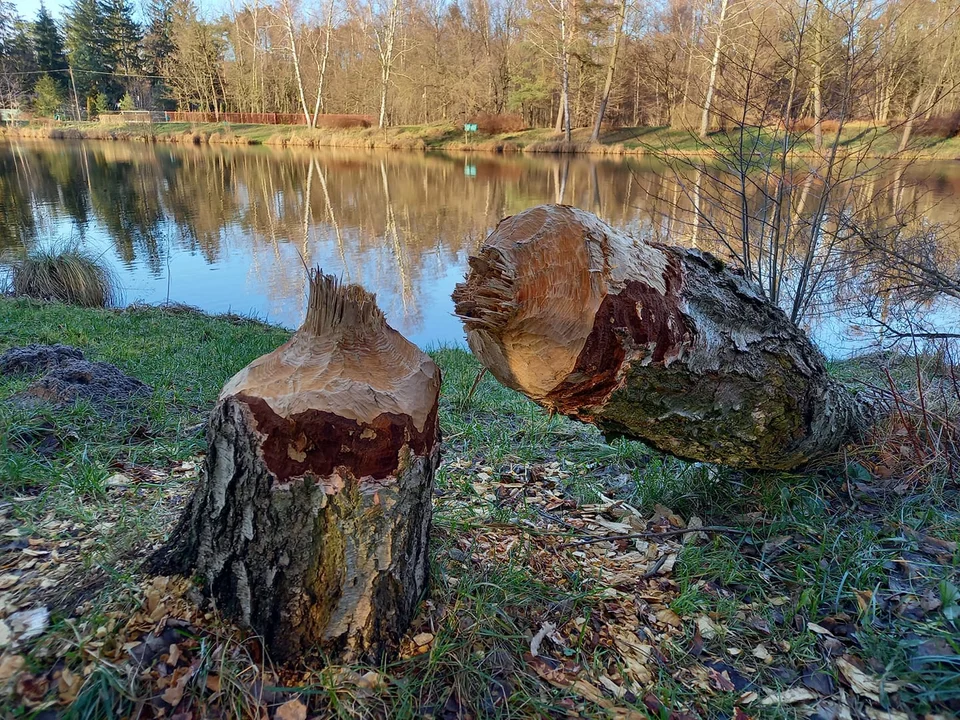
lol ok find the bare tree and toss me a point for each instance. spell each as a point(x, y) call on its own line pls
point(611, 68)
point(714, 64)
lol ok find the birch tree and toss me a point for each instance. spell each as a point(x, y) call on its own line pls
point(714, 64)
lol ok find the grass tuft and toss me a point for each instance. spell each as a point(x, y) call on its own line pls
point(68, 275)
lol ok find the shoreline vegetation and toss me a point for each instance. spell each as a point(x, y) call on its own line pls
point(744, 594)
point(865, 141)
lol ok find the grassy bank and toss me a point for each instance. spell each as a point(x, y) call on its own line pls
point(832, 591)
point(874, 142)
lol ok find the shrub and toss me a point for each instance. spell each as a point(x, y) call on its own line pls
point(493, 124)
point(805, 124)
point(940, 126)
point(344, 121)
point(69, 276)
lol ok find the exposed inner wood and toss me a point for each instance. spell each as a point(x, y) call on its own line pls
point(311, 521)
point(658, 343)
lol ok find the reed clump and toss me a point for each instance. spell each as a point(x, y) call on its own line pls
point(67, 275)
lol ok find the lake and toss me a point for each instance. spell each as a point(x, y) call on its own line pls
point(230, 229)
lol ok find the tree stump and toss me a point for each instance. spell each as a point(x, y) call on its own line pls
point(662, 344)
point(311, 521)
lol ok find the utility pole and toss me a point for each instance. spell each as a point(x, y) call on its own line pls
point(76, 101)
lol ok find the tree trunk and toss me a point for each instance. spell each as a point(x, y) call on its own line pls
point(911, 118)
point(311, 520)
point(611, 69)
point(658, 343)
point(714, 64)
point(818, 77)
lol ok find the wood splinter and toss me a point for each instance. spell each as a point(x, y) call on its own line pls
point(311, 520)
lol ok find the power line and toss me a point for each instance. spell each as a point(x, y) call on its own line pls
point(80, 70)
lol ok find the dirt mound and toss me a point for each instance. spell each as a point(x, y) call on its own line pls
point(70, 378)
point(36, 358)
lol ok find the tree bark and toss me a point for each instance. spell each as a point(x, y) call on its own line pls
point(611, 69)
point(714, 64)
point(311, 521)
point(818, 77)
point(657, 343)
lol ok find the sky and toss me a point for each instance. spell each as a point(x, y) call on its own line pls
point(28, 8)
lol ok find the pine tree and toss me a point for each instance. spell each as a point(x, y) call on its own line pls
point(158, 47)
point(88, 48)
point(124, 37)
point(124, 50)
point(16, 57)
point(48, 46)
point(47, 97)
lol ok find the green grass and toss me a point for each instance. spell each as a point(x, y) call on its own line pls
point(812, 547)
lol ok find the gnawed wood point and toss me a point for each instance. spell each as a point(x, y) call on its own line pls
point(658, 343)
point(311, 521)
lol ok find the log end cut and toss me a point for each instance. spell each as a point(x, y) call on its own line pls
point(657, 343)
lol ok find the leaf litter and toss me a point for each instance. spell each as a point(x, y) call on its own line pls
point(603, 655)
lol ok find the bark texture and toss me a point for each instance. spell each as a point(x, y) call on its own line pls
point(311, 521)
point(662, 344)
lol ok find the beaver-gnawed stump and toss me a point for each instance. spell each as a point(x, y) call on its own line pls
point(662, 344)
point(311, 520)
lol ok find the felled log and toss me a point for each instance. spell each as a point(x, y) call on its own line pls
point(311, 519)
point(662, 344)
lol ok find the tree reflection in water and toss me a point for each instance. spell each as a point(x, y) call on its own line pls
point(230, 228)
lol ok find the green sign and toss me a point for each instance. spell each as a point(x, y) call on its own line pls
point(470, 127)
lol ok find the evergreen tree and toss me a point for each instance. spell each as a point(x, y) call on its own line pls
point(47, 97)
point(88, 46)
point(48, 46)
point(124, 37)
point(16, 57)
point(158, 48)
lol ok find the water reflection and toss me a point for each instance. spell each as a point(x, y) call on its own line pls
point(230, 229)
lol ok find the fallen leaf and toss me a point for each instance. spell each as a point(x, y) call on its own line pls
point(213, 683)
point(68, 685)
point(10, 665)
point(789, 697)
point(864, 684)
point(761, 653)
point(28, 624)
point(8, 580)
point(820, 682)
point(545, 629)
point(5, 634)
point(423, 639)
point(669, 617)
point(818, 629)
point(877, 714)
point(292, 710)
point(707, 627)
point(119, 480)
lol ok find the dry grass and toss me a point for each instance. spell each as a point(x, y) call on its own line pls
point(66, 275)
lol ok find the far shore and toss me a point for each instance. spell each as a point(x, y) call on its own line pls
point(864, 140)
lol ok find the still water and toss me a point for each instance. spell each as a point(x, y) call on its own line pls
point(231, 229)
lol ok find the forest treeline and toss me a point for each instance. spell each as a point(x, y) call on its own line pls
point(698, 64)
